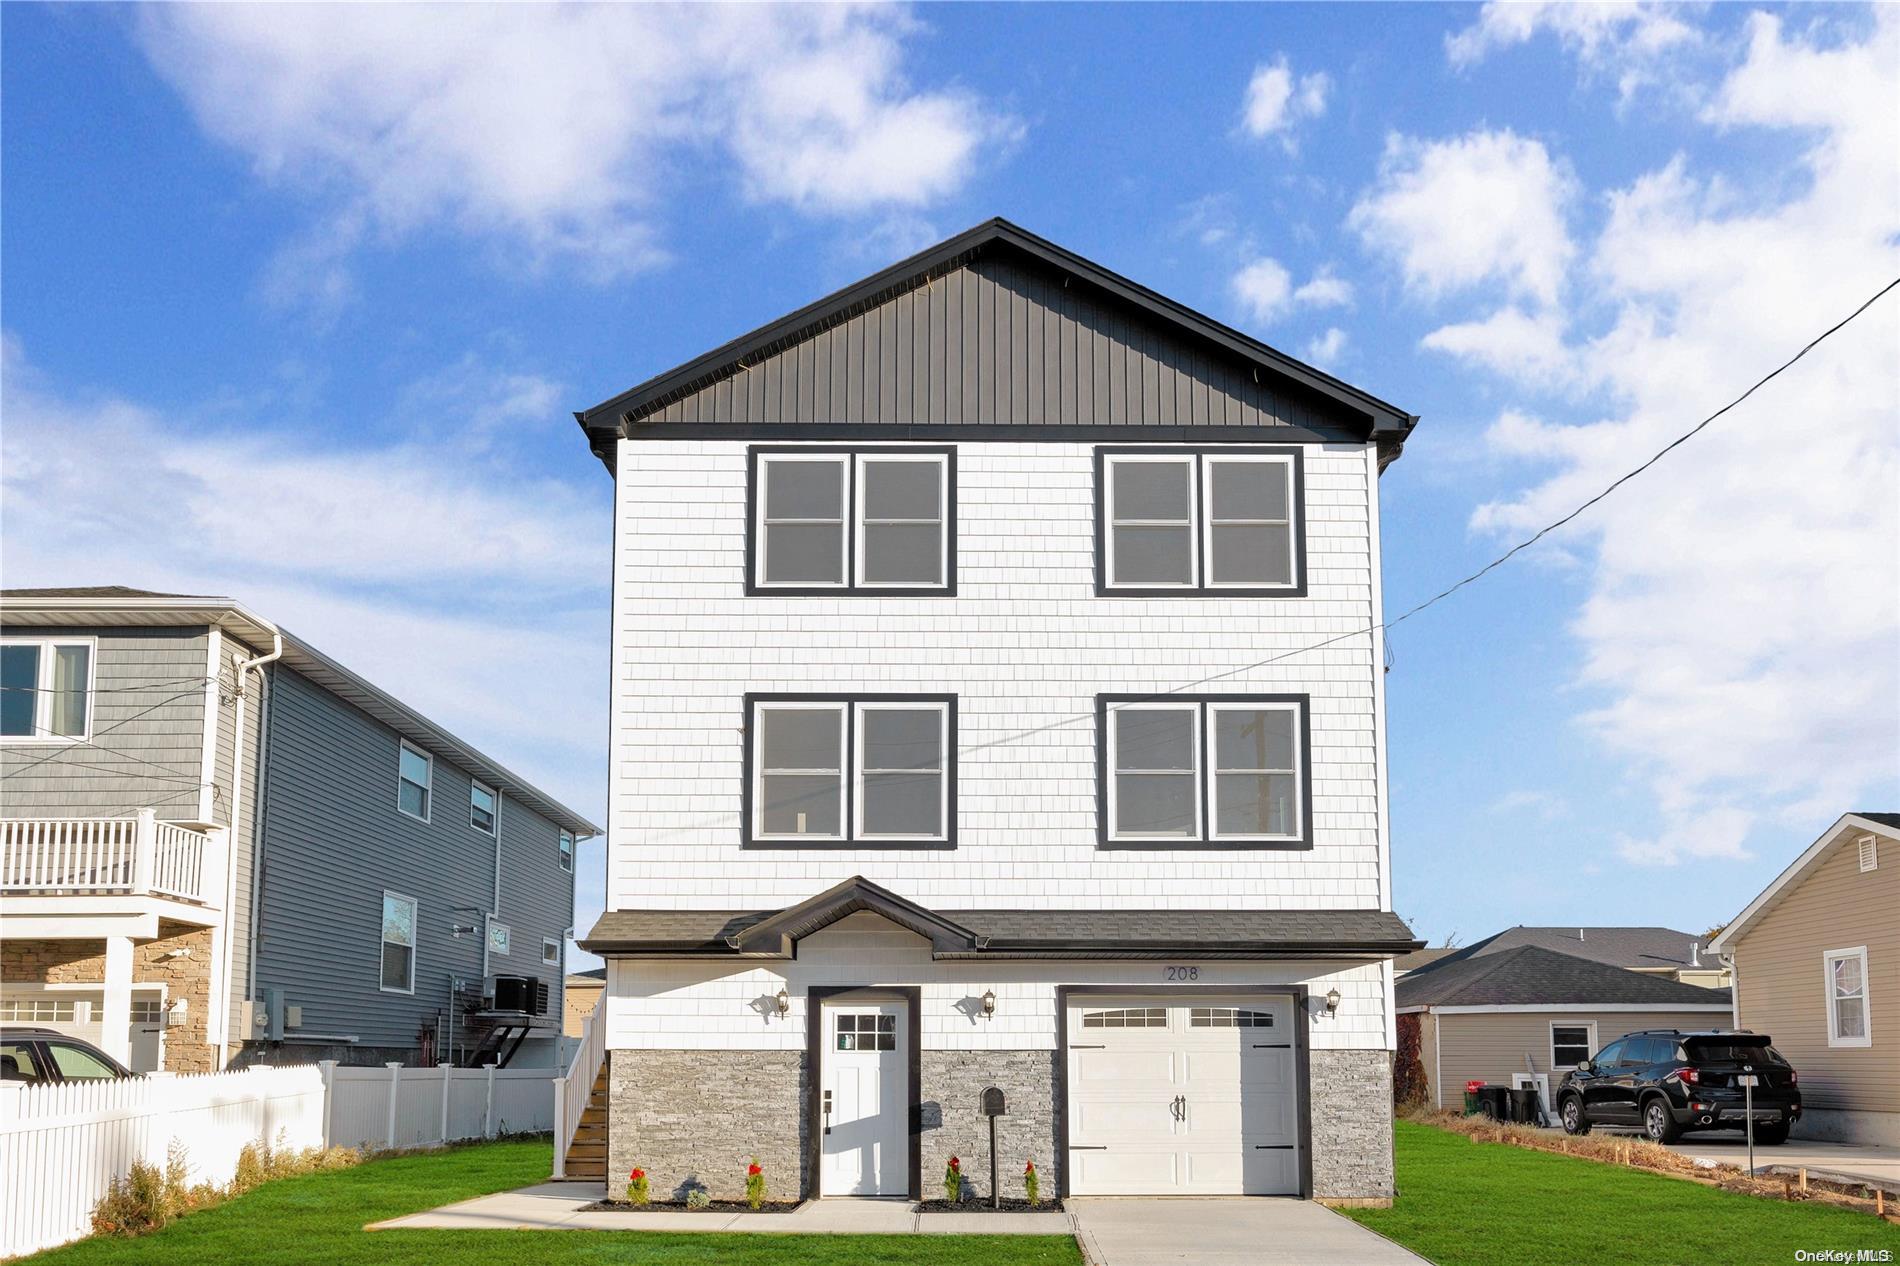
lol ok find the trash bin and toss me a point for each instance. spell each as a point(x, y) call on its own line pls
point(1471, 1097)
point(1494, 1102)
point(1524, 1105)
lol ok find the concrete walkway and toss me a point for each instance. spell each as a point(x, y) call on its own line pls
point(559, 1206)
point(1869, 1161)
point(1240, 1232)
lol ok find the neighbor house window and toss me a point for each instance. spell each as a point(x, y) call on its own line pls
point(834, 770)
point(45, 689)
point(866, 520)
point(1226, 771)
point(1848, 1017)
point(550, 951)
point(481, 808)
point(1570, 1044)
point(415, 772)
point(567, 850)
point(1200, 521)
point(399, 944)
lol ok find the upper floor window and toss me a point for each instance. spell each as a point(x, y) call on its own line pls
point(1200, 521)
point(1846, 971)
point(873, 769)
point(415, 774)
point(45, 689)
point(399, 943)
point(482, 803)
point(847, 521)
point(1207, 771)
point(550, 951)
point(567, 850)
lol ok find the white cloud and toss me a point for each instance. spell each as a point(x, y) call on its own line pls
point(1598, 32)
point(1277, 100)
point(552, 132)
point(1484, 207)
point(1325, 291)
point(1525, 347)
point(1325, 350)
point(1545, 806)
point(1744, 596)
point(1264, 289)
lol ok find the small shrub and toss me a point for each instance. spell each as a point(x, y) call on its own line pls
point(1032, 1183)
point(638, 1192)
point(754, 1184)
point(698, 1198)
point(132, 1205)
point(953, 1181)
point(148, 1197)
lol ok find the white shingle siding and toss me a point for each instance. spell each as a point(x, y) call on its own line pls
point(1025, 645)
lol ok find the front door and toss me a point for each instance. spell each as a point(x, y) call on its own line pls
point(864, 1100)
point(146, 1049)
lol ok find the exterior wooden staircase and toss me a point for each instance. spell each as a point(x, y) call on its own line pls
point(587, 1150)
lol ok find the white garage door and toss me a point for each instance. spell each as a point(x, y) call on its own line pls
point(1172, 1097)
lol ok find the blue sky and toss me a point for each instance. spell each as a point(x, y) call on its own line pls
point(297, 304)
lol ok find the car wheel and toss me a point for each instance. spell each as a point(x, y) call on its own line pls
point(1572, 1114)
point(1658, 1124)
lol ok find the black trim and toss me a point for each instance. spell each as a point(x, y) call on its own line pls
point(1303, 1070)
point(851, 588)
point(815, 998)
point(854, 434)
point(1204, 775)
point(1297, 509)
point(849, 807)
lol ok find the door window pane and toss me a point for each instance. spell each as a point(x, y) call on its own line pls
point(19, 689)
point(17, 1063)
point(78, 1064)
point(801, 753)
point(804, 521)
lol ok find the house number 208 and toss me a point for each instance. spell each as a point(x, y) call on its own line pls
point(1184, 973)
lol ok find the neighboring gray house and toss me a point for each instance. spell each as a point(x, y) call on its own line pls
point(220, 846)
point(1653, 951)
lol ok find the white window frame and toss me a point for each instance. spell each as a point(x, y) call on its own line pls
point(1196, 773)
point(564, 843)
point(1589, 1047)
point(415, 929)
point(1110, 522)
point(762, 538)
point(854, 564)
point(1828, 959)
point(550, 952)
point(1212, 773)
point(493, 830)
point(759, 708)
point(1205, 498)
point(43, 686)
point(428, 792)
point(859, 770)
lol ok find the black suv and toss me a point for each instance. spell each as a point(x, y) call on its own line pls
point(1666, 1081)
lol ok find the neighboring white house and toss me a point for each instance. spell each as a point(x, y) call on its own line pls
point(996, 705)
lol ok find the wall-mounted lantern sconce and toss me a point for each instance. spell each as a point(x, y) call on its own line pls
point(1332, 1002)
point(989, 1003)
point(784, 1001)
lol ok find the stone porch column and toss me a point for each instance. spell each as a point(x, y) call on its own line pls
point(115, 1021)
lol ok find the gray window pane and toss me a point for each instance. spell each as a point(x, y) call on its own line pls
point(1154, 738)
point(902, 553)
point(1254, 804)
point(412, 799)
point(1250, 554)
point(1154, 804)
point(1153, 556)
point(799, 738)
point(1247, 490)
point(1247, 738)
point(415, 767)
point(1152, 490)
point(804, 490)
point(800, 804)
point(903, 804)
point(19, 684)
point(903, 490)
point(396, 959)
point(903, 738)
point(804, 553)
point(69, 689)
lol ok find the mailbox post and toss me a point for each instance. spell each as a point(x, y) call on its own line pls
point(1748, 1080)
point(993, 1107)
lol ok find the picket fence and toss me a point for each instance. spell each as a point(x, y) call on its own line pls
point(62, 1145)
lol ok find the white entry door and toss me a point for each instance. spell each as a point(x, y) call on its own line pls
point(1183, 1098)
point(864, 1100)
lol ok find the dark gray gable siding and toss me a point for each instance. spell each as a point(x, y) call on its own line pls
point(1004, 341)
point(334, 841)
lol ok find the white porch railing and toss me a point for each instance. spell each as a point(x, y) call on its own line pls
point(137, 856)
point(572, 1091)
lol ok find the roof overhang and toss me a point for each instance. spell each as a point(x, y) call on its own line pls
point(1848, 825)
point(255, 631)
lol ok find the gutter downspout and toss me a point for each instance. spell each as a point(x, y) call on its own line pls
point(237, 808)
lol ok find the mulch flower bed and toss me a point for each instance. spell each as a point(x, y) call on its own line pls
point(981, 1204)
point(680, 1206)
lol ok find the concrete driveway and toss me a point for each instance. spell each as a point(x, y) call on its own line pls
point(1239, 1232)
point(1860, 1160)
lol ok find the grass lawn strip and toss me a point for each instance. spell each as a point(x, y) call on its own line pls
point(1465, 1203)
point(318, 1221)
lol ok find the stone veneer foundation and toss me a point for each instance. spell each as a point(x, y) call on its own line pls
point(186, 977)
point(698, 1117)
point(1351, 1110)
point(954, 1124)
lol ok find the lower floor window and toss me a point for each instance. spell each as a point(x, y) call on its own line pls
point(1214, 769)
point(399, 943)
point(834, 770)
point(1569, 1045)
point(1847, 997)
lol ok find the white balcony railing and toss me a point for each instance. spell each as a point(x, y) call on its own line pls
point(136, 856)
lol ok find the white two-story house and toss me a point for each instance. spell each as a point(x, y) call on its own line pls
point(997, 703)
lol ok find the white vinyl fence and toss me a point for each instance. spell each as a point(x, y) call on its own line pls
point(61, 1145)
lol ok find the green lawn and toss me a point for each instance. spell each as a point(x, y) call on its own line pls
point(318, 1221)
point(1481, 1204)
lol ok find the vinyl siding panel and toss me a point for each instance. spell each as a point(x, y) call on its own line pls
point(1491, 1047)
point(1782, 991)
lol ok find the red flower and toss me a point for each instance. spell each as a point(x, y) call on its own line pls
point(955, 1163)
point(638, 1173)
point(753, 1169)
point(1030, 1168)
